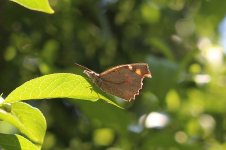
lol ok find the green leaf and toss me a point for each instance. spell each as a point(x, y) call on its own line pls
point(163, 69)
point(16, 142)
point(39, 5)
point(59, 85)
point(27, 119)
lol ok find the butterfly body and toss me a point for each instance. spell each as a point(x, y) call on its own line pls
point(123, 81)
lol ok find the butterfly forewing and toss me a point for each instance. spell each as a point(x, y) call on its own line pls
point(123, 72)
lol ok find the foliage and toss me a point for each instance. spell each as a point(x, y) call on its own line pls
point(40, 5)
point(178, 40)
point(29, 120)
point(61, 85)
point(15, 142)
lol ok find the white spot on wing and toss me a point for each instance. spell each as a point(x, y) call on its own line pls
point(130, 67)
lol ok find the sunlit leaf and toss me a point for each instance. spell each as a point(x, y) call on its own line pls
point(27, 119)
point(39, 5)
point(59, 85)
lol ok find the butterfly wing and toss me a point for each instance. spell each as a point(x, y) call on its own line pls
point(124, 81)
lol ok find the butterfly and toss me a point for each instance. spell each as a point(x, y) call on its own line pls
point(123, 81)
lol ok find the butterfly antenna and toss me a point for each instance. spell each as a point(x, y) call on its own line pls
point(83, 67)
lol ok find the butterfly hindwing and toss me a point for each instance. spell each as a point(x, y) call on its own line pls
point(124, 81)
point(126, 89)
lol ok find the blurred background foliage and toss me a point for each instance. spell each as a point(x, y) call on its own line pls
point(181, 107)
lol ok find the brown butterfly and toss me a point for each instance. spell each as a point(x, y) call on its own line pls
point(123, 81)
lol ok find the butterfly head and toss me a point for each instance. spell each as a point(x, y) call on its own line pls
point(93, 76)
